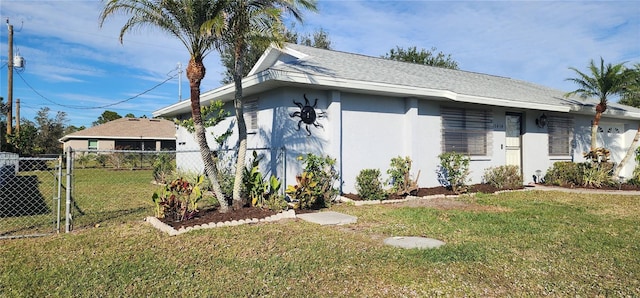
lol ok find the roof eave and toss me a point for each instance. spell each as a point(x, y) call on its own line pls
point(67, 138)
point(609, 113)
point(401, 90)
point(225, 93)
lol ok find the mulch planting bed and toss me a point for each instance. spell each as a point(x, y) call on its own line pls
point(212, 215)
point(439, 190)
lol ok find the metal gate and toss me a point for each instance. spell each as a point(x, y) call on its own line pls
point(30, 191)
point(93, 187)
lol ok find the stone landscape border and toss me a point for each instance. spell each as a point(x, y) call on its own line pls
point(158, 224)
point(343, 199)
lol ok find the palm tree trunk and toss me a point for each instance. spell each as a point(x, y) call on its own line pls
point(238, 102)
point(195, 73)
point(594, 131)
point(625, 159)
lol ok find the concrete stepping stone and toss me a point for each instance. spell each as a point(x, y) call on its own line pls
point(328, 218)
point(413, 242)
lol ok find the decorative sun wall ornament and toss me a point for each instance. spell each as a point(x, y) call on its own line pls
point(307, 114)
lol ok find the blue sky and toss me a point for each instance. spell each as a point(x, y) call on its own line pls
point(73, 65)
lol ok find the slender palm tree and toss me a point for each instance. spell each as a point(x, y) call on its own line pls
point(183, 19)
point(246, 22)
point(631, 94)
point(631, 97)
point(600, 82)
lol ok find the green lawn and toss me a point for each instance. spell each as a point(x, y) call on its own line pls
point(101, 195)
point(512, 244)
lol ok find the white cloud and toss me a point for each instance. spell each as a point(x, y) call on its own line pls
point(534, 40)
point(71, 59)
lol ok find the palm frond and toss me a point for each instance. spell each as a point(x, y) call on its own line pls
point(600, 81)
point(182, 19)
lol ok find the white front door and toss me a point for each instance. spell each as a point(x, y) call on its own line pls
point(513, 147)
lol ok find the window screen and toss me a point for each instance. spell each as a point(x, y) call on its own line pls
point(560, 134)
point(251, 113)
point(466, 130)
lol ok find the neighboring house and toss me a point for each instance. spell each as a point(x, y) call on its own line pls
point(372, 109)
point(124, 134)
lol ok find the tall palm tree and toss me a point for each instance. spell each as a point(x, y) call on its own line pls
point(600, 82)
point(183, 19)
point(631, 97)
point(631, 94)
point(246, 22)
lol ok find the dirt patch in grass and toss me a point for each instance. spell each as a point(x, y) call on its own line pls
point(450, 204)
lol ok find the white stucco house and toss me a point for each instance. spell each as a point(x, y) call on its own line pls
point(371, 109)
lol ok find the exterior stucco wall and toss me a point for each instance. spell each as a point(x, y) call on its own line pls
point(365, 131)
point(276, 138)
point(78, 144)
point(535, 148)
point(536, 142)
point(373, 132)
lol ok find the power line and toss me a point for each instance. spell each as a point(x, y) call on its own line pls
point(96, 107)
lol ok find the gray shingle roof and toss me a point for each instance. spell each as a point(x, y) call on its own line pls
point(373, 69)
point(298, 64)
point(127, 128)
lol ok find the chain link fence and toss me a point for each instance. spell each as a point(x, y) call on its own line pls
point(30, 192)
point(42, 196)
point(117, 185)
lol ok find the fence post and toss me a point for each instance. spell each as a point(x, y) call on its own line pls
point(59, 178)
point(67, 223)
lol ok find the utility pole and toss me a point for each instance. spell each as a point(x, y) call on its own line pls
point(179, 81)
point(1, 131)
point(10, 81)
point(17, 115)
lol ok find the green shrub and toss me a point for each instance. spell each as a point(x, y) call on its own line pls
point(226, 174)
point(84, 159)
point(400, 176)
point(102, 159)
point(454, 168)
point(562, 173)
point(315, 184)
point(132, 160)
point(253, 182)
point(262, 193)
point(163, 167)
point(595, 174)
point(369, 186)
point(179, 199)
point(304, 194)
point(504, 177)
point(589, 174)
point(273, 200)
point(635, 179)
